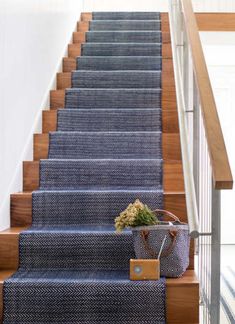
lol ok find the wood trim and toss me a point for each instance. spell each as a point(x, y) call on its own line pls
point(49, 121)
point(31, 175)
point(216, 21)
point(69, 64)
point(86, 16)
point(40, 146)
point(221, 172)
point(21, 209)
point(169, 121)
point(74, 50)
point(79, 37)
point(166, 51)
point(170, 146)
point(165, 22)
point(63, 80)
point(183, 304)
point(57, 98)
point(168, 85)
point(83, 26)
point(9, 248)
point(166, 37)
point(168, 81)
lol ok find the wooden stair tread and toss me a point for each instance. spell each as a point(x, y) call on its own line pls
point(189, 278)
point(181, 294)
point(21, 206)
point(172, 175)
point(171, 149)
point(169, 121)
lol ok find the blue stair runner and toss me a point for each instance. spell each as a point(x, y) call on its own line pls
point(105, 153)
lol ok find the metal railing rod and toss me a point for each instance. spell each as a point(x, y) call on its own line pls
point(191, 204)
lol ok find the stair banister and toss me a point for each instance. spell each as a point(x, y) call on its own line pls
point(192, 212)
point(205, 162)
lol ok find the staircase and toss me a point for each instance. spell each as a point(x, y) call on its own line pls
point(119, 73)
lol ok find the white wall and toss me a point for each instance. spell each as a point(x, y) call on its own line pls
point(214, 5)
point(33, 39)
point(219, 50)
point(126, 5)
point(157, 5)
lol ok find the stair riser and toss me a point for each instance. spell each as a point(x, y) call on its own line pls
point(172, 176)
point(125, 15)
point(170, 146)
point(82, 26)
point(109, 98)
point(82, 37)
point(111, 63)
point(169, 123)
point(21, 207)
point(60, 208)
point(119, 63)
point(92, 174)
point(109, 145)
point(83, 251)
point(75, 50)
point(86, 16)
point(118, 25)
point(121, 49)
point(116, 79)
point(9, 251)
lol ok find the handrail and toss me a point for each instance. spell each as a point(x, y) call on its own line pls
point(221, 172)
point(191, 202)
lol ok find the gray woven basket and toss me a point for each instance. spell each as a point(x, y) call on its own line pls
point(174, 258)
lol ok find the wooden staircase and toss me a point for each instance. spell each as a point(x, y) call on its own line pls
point(182, 293)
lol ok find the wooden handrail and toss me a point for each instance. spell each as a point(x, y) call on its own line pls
point(216, 21)
point(221, 172)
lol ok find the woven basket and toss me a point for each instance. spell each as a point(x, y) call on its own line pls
point(174, 258)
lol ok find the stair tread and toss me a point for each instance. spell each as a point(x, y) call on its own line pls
point(124, 24)
point(136, 15)
point(113, 63)
point(122, 49)
point(189, 277)
point(74, 229)
point(116, 79)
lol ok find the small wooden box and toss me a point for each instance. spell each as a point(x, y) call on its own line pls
point(144, 269)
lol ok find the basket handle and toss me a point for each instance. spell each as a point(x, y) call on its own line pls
point(167, 213)
point(145, 234)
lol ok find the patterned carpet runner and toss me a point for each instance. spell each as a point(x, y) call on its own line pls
point(105, 153)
